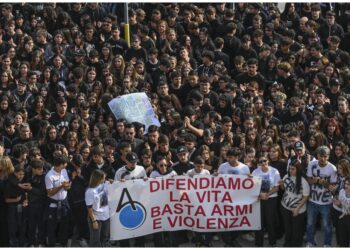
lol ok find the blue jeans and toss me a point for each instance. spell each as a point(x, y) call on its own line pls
point(325, 210)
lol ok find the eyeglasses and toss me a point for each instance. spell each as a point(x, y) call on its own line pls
point(262, 161)
point(162, 165)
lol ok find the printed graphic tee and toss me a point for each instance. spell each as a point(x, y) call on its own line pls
point(318, 193)
point(97, 199)
point(291, 199)
point(345, 203)
point(269, 179)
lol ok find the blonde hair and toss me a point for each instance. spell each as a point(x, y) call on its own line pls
point(6, 167)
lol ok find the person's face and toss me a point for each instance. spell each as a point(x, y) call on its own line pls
point(96, 132)
point(129, 134)
point(263, 162)
point(10, 129)
point(342, 106)
point(57, 62)
point(135, 43)
point(292, 170)
point(75, 124)
point(340, 171)
point(37, 171)
point(330, 20)
point(21, 88)
point(18, 120)
point(205, 154)
point(62, 108)
point(146, 160)
point(293, 109)
point(163, 147)
point(251, 135)
point(249, 157)
point(153, 137)
point(331, 128)
point(198, 167)
point(338, 151)
point(163, 90)
point(323, 159)
point(6, 62)
point(91, 75)
point(232, 160)
point(19, 175)
point(52, 134)
point(98, 159)
point(25, 133)
point(125, 151)
point(312, 141)
point(4, 104)
point(248, 124)
point(183, 157)
point(162, 166)
point(226, 127)
point(205, 87)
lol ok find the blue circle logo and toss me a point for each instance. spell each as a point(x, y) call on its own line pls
point(132, 214)
point(132, 218)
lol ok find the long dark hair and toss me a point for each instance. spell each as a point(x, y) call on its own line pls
point(299, 174)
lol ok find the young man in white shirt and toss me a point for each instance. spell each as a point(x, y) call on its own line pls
point(320, 174)
point(57, 183)
point(235, 167)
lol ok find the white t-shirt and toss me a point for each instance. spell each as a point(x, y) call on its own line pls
point(340, 186)
point(291, 199)
point(155, 174)
point(123, 173)
point(345, 203)
point(54, 180)
point(241, 169)
point(97, 198)
point(320, 194)
point(192, 172)
point(269, 179)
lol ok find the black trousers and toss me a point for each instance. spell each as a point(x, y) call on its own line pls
point(268, 211)
point(79, 215)
point(57, 224)
point(344, 231)
point(17, 224)
point(4, 241)
point(335, 220)
point(36, 221)
point(294, 228)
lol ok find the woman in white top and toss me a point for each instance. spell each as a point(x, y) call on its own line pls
point(293, 202)
point(344, 219)
point(98, 210)
point(162, 169)
point(343, 170)
point(270, 178)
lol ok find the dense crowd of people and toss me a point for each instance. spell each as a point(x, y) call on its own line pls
point(243, 88)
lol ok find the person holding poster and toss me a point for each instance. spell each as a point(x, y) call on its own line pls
point(98, 210)
point(235, 167)
point(268, 198)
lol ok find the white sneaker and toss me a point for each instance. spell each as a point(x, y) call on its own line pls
point(83, 243)
point(309, 245)
point(248, 237)
point(69, 243)
point(326, 245)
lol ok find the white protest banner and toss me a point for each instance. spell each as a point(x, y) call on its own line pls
point(134, 107)
point(202, 204)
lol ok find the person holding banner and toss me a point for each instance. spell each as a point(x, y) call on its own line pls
point(235, 167)
point(202, 239)
point(98, 210)
point(162, 170)
point(131, 171)
point(268, 198)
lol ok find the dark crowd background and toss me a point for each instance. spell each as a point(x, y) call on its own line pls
point(247, 81)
